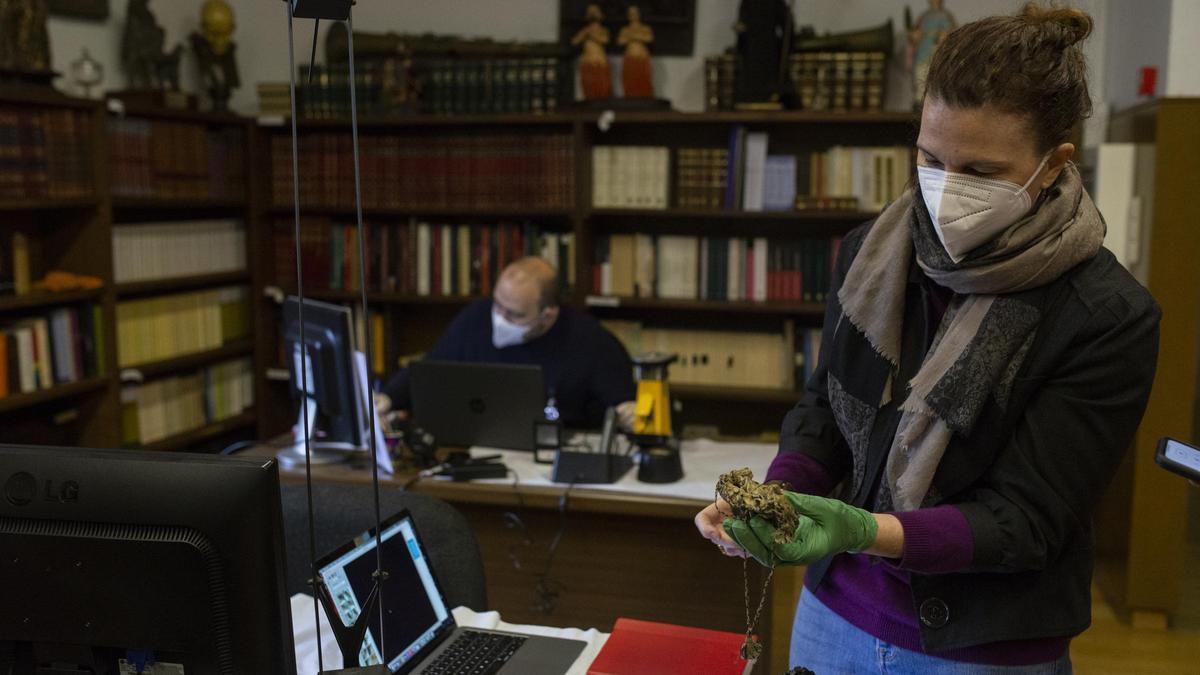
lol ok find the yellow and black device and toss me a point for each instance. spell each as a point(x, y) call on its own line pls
point(658, 450)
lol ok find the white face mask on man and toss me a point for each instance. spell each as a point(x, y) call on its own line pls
point(969, 211)
point(506, 333)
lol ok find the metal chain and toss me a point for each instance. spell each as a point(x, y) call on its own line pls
point(762, 600)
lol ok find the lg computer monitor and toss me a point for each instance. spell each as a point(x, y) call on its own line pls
point(111, 555)
point(325, 383)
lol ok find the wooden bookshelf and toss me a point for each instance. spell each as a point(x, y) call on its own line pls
point(48, 204)
point(243, 422)
point(134, 289)
point(59, 392)
point(809, 216)
point(122, 204)
point(770, 308)
point(389, 298)
point(431, 212)
point(736, 394)
point(162, 208)
point(70, 233)
point(40, 299)
point(188, 362)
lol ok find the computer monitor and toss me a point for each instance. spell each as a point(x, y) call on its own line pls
point(337, 411)
point(112, 553)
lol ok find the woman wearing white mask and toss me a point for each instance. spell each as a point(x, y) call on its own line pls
point(985, 363)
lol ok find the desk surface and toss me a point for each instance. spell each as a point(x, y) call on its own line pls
point(703, 462)
point(305, 633)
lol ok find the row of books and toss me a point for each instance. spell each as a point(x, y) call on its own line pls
point(746, 177)
point(63, 345)
point(631, 176)
point(464, 86)
point(167, 159)
point(14, 264)
point(174, 405)
point(178, 249)
point(477, 172)
point(713, 268)
point(817, 81)
point(169, 326)
point(417, 257)
point(778, 360)
point(717, 358)
point(323, 91)
point(839, 80)
point(45, 153)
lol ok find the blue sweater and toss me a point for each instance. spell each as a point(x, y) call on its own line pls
point(585, 368)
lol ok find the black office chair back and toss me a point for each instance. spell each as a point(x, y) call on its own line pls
point(346, 511)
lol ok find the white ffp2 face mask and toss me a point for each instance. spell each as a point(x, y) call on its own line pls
point(506, 333)
point(969, 211)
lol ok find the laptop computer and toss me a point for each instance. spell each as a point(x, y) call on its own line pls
point(488, 404)
point(419, 634)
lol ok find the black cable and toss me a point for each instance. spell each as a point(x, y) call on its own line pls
point(547, 587)
point(312, 532)
point(239, 445)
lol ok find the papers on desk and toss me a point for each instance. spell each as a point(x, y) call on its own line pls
point(305, 632)
point(703, 462)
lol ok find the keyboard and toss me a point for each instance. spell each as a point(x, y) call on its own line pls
point(475, 653)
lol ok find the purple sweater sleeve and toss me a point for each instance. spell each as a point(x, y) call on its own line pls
point(802, 472)
point(937, 540)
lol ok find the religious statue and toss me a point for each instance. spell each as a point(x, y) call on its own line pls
point(594, 76)
point(214, 48)
point(762, 28)
point(24, 42)
point(924, 36)
point(147, 66)
point(635, 37)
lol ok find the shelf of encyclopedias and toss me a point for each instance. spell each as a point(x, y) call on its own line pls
point(710, 234)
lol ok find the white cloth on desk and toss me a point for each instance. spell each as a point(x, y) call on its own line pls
point(304, 629)
point(703, 462)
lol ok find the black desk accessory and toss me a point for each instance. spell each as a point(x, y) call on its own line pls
point(604, 466)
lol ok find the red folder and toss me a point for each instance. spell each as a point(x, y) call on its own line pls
point(648, 648)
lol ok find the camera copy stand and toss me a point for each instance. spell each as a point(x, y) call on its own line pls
point(349, 638)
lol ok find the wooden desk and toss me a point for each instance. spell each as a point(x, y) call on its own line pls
point(620, 555)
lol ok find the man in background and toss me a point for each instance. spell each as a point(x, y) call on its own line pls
point(585, 368)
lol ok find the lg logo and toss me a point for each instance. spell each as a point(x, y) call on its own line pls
point(22, 488)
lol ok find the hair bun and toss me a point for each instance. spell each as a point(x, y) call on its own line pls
point(1070, 26)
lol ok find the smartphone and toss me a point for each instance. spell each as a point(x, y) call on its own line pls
point(1178, 457)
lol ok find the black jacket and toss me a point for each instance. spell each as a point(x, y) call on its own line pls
point(1031, 472)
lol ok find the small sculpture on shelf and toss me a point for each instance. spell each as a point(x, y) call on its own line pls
point(924, 36)
point(763, 31)
point(636, 78)
point(215, 50)
point(148, 68)
point(594, 76)
point(24, 42)
point(86, 72)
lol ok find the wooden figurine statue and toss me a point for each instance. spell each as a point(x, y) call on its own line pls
point(924, 36)
point(215, 49)
point(147, 66)
point(635, 37)
point(24, 42)
point(594, 76)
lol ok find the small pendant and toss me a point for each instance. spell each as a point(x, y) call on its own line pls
point(751, 650)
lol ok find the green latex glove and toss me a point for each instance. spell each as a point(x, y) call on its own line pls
point(827, 526)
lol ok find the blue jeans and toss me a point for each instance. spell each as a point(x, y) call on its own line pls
point(827, 644)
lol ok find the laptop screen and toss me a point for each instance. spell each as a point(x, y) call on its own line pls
point(413, 608)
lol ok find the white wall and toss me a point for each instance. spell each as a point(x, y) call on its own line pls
point(1184, 80)
point(262, 39)
point(1138, 36)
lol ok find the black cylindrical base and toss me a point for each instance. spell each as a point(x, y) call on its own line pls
point(659, 464)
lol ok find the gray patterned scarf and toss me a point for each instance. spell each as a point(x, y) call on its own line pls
point(983, 336)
